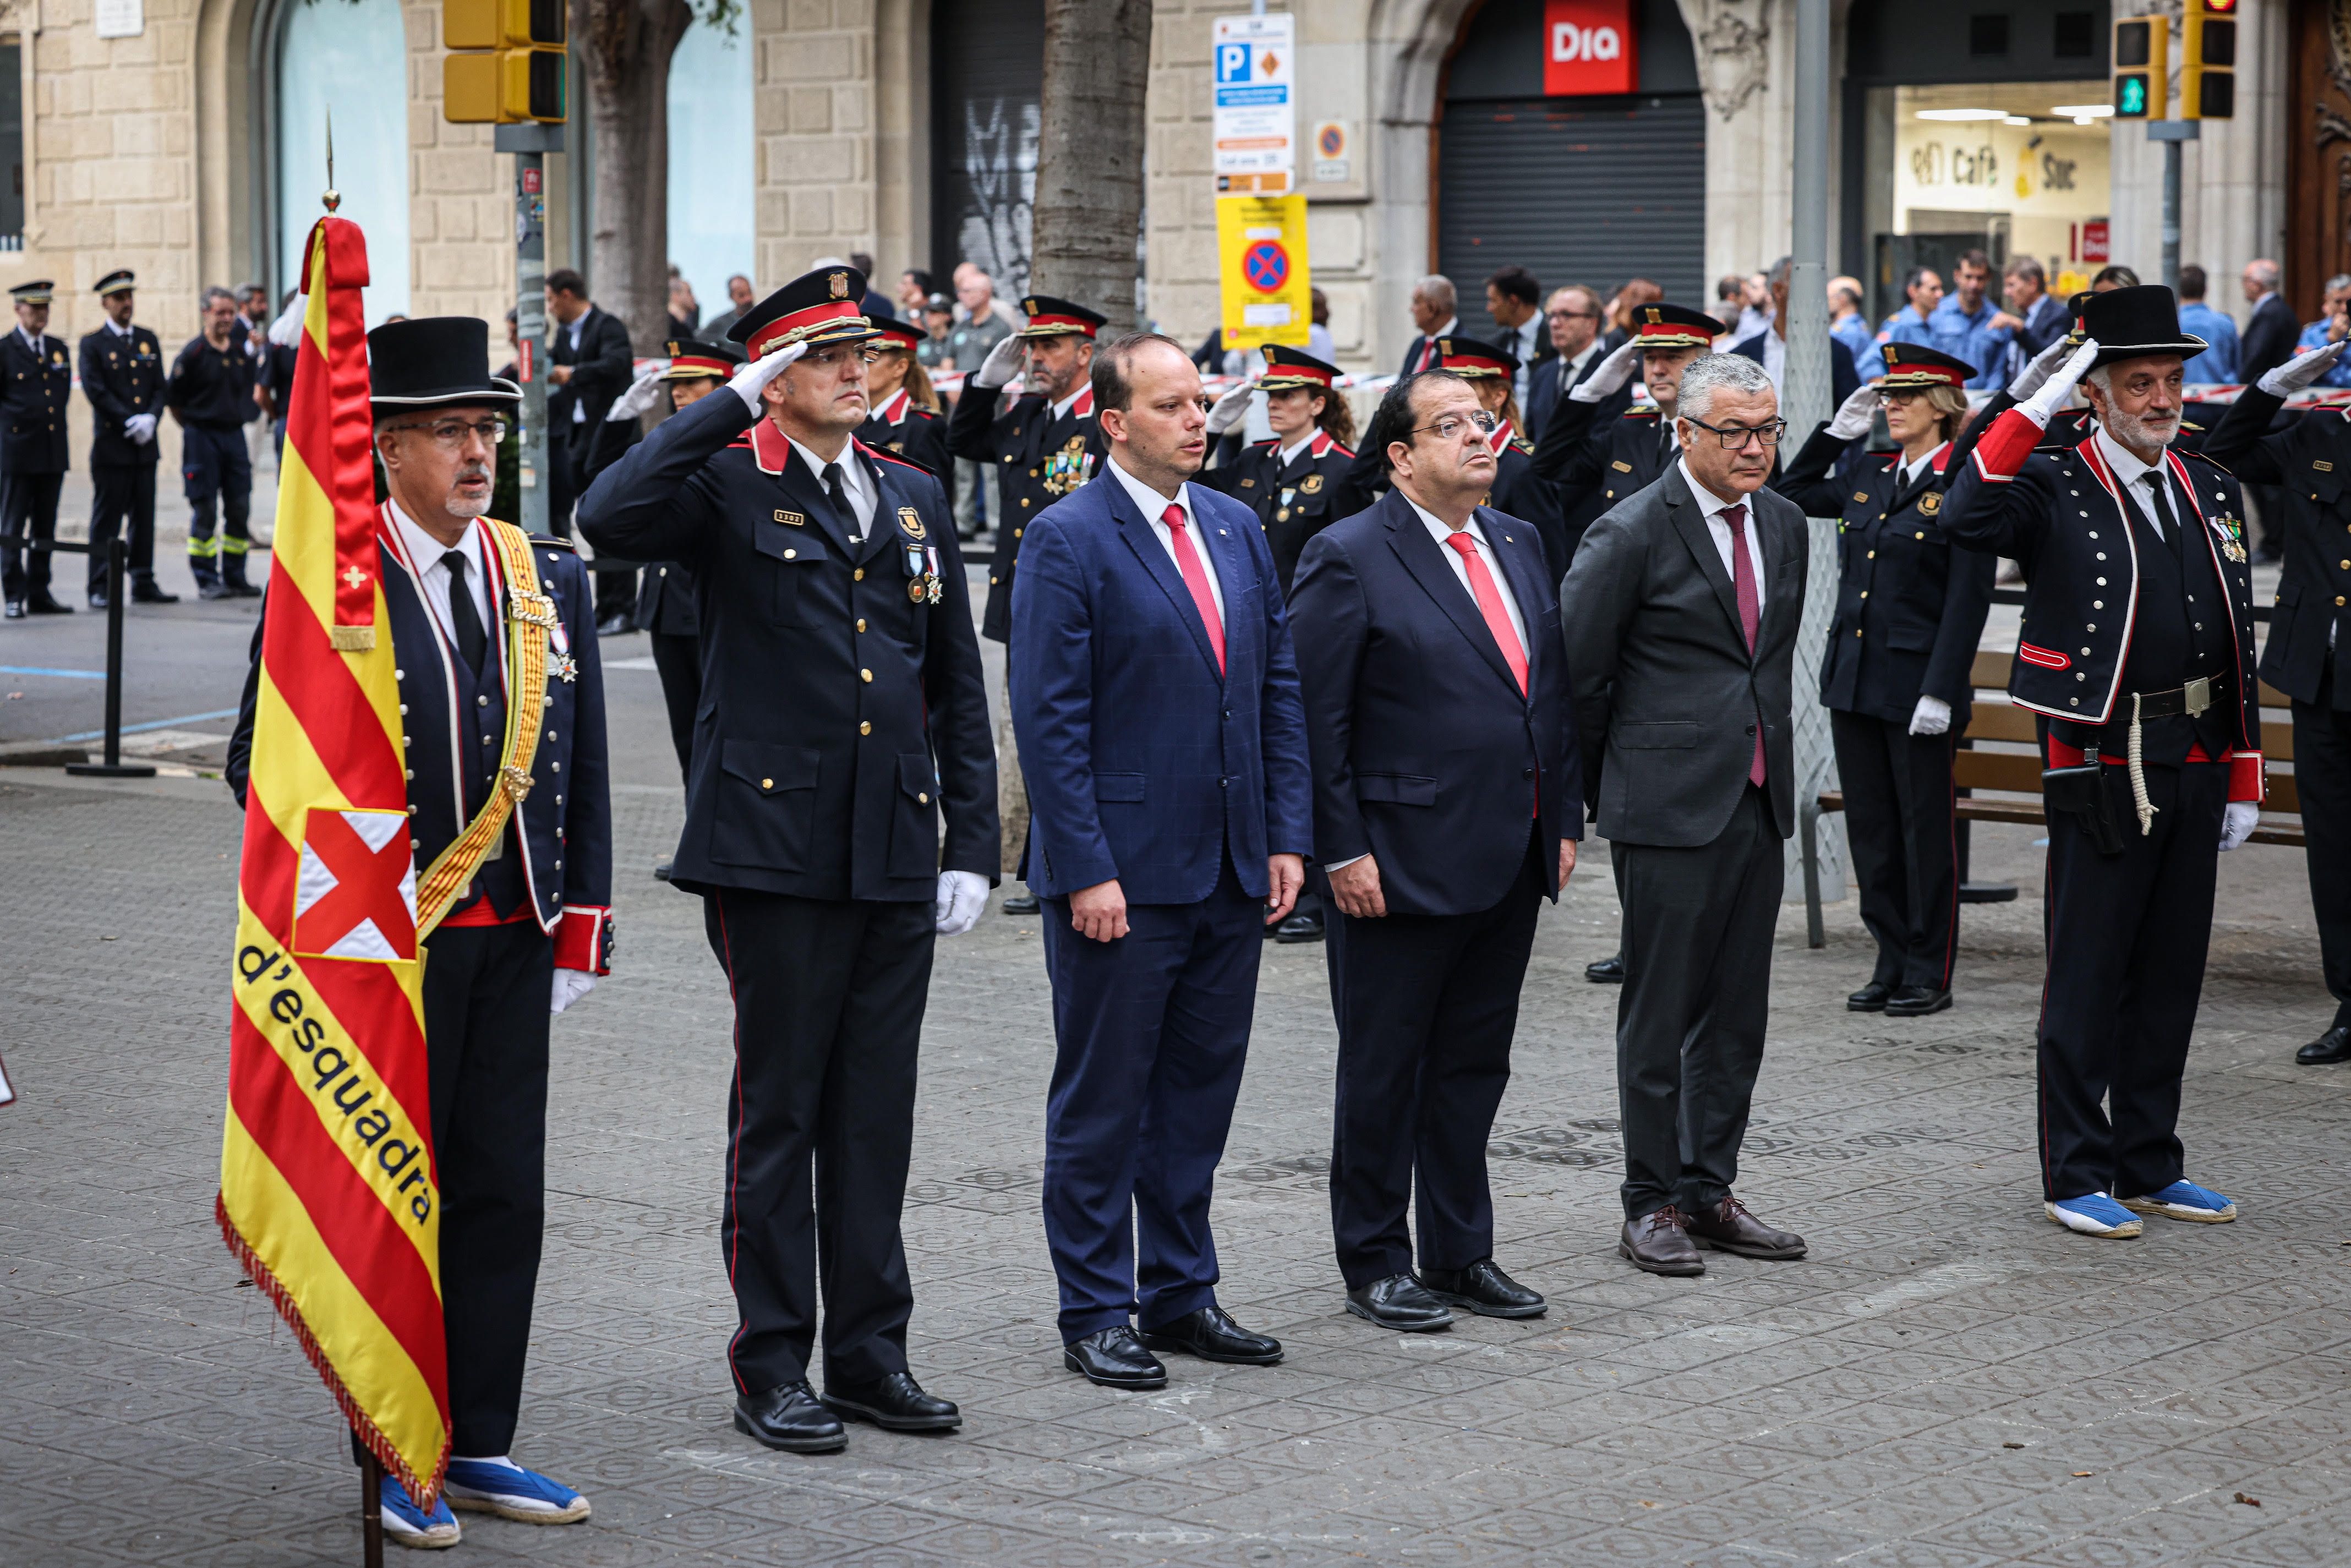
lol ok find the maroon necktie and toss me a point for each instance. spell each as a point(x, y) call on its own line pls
point(1750, 613)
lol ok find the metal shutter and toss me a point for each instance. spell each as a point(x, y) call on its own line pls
point(1589, 191)
point(988, 71)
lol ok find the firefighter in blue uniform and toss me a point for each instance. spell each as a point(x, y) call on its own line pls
point(122, 375)
point(534, 928)
point(842, 710)
point(1897, 672)
point(35, 382)
point(905, 420)
point(2137, 651)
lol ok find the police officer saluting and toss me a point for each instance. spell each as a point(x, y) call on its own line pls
point(1896, 675)
point(1594, 461)
point(35, 382)
point(122, 376)
point(1492, 370)
point(903, 417)
point(2136, 651)
point(843, 709)
point(1296, 483)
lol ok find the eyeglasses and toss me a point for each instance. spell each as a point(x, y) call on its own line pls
point(1569, 315)
point(833, 357)
point(1450, 427)
point(449, 434)
point(1737, 435)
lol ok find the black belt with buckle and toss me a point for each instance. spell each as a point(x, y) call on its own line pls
point(2190, 699)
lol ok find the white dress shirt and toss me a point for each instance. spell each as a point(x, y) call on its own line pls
point(1152, 505)
point(1440, 533)
point(2136, 481)
point(433, 570)
point(854, 484)
point(1714, 506)
point(1289, 453)
point(1063, 407)
point(579, 409)
point(1910, 471)
point(1570, 369)
point(1452, 328)
point(1522, 341)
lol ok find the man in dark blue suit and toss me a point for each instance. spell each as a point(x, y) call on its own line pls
point(1155, 699)
point(1447, 803)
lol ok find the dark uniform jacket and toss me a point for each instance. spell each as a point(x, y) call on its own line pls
point(558, 867)
point(1039, 457)
point(121, 376)
point(2310, 461)
point(841, 706)
point(1910, 603)
point(2058, 510)
point(1525, 495)
point(213, 388)
point(33, 394)
point(1591, 462)
point(903, 428)
point(1293, 501)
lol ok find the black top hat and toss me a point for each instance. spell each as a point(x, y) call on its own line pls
point(1049, 317)
point(1917, 365)
point(1663, 326)
point(114, 282)
point(38, 292)
point(434, 360)
point(1289, 367)
point(1475, 357)
point(896, 334)
point(690, 359)
point(2133, 323)
point(827, 305)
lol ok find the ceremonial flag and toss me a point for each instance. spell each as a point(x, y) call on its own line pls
point(327, 1191)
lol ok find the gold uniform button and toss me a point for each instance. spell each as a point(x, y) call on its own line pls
point(1865, 593)
point(865, 675)
point(791, 555)
point(1872, 555)
point(1024, 500)
point(866, 728)
point(1032, 473)
point(922, 799)
point(1922, 534)
point(1015, 533)
point(858, 575)
point(766, 783)
point(860, 623)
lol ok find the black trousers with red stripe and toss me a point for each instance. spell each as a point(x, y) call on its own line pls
point(828, 1002)
point(2128, 935)
point(1898, 821)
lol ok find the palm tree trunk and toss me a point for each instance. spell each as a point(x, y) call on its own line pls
point(1089, 206)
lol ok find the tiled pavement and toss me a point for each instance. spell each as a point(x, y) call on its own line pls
point(1949, 1380)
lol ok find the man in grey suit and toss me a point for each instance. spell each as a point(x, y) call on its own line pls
point(1681, 614)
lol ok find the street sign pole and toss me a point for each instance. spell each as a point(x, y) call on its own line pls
point(2171, 133)
point(530, 144)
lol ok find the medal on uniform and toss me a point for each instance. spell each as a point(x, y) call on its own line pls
point(558, 658)
point(911, 521)
point(1930, 503)
point(1311, 483)
point(1287, 494)
point(933, 583)
point(2232, 537)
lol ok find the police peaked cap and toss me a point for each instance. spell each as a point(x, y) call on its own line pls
point(897, 334)
point(1674, 327)
point(1476, 358)
point(692, 360)
point(1287, 367)
point(1917, 365)
point(826, 306)
point(1052, 317)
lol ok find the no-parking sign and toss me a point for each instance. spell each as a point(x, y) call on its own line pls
point(1261, 251)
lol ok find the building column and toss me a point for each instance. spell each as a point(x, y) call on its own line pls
point(1744, 49)
point(813, 107)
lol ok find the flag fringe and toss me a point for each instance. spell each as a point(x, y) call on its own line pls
point(352, 639)
point(264, 1282)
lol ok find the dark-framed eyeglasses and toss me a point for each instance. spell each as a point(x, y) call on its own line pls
point(1735, 436)
point(1569, 315)
point(449, 434)
point(1450, 427)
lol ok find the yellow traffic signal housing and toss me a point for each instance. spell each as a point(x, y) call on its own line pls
point(2208, 60)
point(517, 76)
point(2142, 83)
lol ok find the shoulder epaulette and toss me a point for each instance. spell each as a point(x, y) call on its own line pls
point(1641, 410)
point(1344, 451)
point(2189, 456)
point(880, 456)
point(1268, 442)
point(2189, 424)
point(1521, 443)
point(549, 541)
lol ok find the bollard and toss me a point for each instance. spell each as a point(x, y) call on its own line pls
point(118, 556)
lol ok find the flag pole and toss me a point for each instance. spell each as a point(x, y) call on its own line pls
point(370, 1508)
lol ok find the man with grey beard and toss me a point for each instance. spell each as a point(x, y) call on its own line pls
point(2136, 651)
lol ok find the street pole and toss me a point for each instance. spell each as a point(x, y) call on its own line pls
point(530, 144)
point(2171, 133)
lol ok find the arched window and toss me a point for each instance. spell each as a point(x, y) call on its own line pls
point(348, 57)
point(712, 153)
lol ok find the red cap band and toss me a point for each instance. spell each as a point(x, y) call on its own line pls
point(786, 328)
point(1060, 323)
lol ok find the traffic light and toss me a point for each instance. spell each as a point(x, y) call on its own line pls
point(2207, 60)
point(513, 69)
point(2141, 85)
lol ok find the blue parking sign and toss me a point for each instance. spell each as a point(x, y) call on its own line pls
point(1232, 63)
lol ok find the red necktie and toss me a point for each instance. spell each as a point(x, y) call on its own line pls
point(1750, 613)
point(1489, 605)
point(1427, 354)
point(1195, 578)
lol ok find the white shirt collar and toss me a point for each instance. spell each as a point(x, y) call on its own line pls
point(1289, 453)
point(30, 341)
point(119, 330)
point(853, 482)
point(1910, 471)
point(2128, 470)
point(1711, 504)
point(1451, 329)
point(1061, 409)
point(1148, 501)
point(426, 551)
point(1437, 526)
point(1575, 365)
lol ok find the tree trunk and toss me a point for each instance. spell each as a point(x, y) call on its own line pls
point(624, 47)
point(1089, 207)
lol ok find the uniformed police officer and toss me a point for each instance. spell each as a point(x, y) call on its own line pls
point(2308, 653)
point(2136, 651)
point(35, 382)
point(905, 421)
point(665, 603)
point(1492, 370)
point(1896, 675)
point(533, 929)
point(843, 709)
point(1298, 481)
point(211, 393)
point(122, 376)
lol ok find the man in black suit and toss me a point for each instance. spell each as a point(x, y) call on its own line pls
point(2044, 315)
point(1681, 614)
point(2270, 332)
point(1769, 348)
point(36, 384)
point(842, 708)
point(1572, 321)
point(1447, 804)
point(122, 375)
point(590, 364)
point(1434, 303)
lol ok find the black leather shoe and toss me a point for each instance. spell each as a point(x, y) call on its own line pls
point(895, 1402)
point(1659, 1243)
point(1022, 902)
point(1870, 998)
point(148, 593)
point(1300, 928)
point(41, 601)
point(2333, 1046)
point(1211, 1334)
point(1114, 1358)
point(1482, 1288)
point(1917, 1002)
point(790, 1416)
point(1609, 971)
point(1400, 1304)
point(661, 870)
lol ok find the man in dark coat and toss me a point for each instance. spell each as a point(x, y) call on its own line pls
point(35, 384)
point(122, 376)
point(590, 364)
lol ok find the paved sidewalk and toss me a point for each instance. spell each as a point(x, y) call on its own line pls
point(1949, 1380)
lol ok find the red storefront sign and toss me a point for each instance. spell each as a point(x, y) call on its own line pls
point(1589, 47)
point(2093, 241)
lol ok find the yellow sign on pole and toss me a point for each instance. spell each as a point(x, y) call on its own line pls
point(1261, 251)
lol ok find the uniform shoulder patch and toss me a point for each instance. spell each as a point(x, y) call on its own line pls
point(1641, 410)
point(1342, 452)
point(891, 457)
point(549, 541)
point(1523, 444)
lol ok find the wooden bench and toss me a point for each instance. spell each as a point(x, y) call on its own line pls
point(1998, 774)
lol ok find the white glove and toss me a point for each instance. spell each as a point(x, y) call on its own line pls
point(747, 383)
point(1230, 409)
point(2238, 826)
point(140, 428)
point(634, 402)
point(2300, 371)
point(571, 985)
point(1931, 717)
point(1003, 362)
point(287, 331)
point(1609, 377)
point(962, 895)
point(2028, 380)
point(1854, 414)
point(2044, 404)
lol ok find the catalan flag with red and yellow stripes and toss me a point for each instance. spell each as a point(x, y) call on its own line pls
point(327, 1191)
